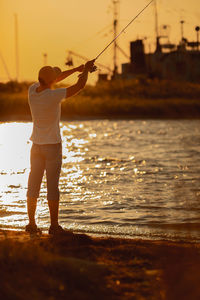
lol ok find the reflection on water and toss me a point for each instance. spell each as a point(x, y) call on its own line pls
point(130, 178)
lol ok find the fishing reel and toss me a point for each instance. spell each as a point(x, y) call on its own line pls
point(94, 69)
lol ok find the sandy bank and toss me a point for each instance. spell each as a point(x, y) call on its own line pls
point(80, 267)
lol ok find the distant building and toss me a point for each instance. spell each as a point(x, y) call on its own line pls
point(137, 63)
point(102, 77)
point(178, 64)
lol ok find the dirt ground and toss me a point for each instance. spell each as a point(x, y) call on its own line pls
point(77, 266)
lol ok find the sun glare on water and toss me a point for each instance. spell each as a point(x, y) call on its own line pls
point(14, 146)
point(15, 166)
point(14, 162)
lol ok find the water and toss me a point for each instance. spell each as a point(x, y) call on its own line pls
point(126, 178)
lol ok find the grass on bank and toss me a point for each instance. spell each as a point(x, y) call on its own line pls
point(145, 88)
point(137, 98)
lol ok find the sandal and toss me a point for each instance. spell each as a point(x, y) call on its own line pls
point(58, 230)
point(33, 229)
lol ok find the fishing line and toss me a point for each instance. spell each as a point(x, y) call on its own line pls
point(123, 30)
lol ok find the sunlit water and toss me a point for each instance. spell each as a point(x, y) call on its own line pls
point(124, 178)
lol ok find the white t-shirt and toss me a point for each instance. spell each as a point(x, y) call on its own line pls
point(45, 109)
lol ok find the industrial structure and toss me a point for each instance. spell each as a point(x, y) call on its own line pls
point(180, 63)
point(168, 61)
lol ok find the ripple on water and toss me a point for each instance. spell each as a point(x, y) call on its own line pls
point(127, 178)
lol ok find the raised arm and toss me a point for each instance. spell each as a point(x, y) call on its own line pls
point(67, 73)
point(76, 88)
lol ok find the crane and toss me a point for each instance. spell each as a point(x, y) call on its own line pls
point(5, 66)
point(69, 61)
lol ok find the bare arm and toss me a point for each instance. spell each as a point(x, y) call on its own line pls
point(76, 88)
point(67, 73)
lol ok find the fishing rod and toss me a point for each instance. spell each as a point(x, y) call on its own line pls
point(122, 31)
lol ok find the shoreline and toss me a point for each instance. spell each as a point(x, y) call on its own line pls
point(169, 233)
point(19, 118)
point(78, 266)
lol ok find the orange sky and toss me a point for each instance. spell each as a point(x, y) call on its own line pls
point(55, 26)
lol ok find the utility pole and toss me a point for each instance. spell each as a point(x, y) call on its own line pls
point(197, 28)
point(156, 19)
point(16, 47)
point(115, 31)
point(182, 32)
point(45, 59)
point(158, 47)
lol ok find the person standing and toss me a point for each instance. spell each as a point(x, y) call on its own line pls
point(46, 150)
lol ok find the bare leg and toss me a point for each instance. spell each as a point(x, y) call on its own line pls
point(55, 228)
point(53, 168)
point(31, 208)
point(53, 209)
